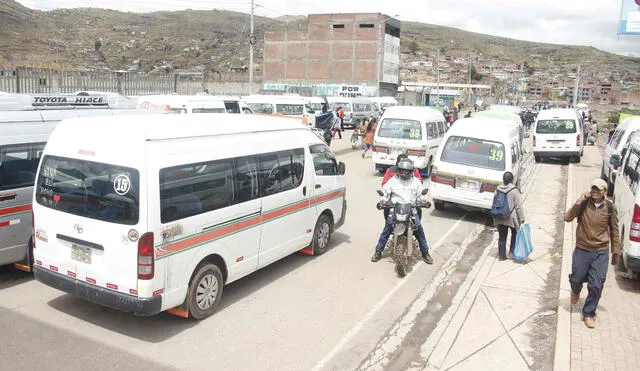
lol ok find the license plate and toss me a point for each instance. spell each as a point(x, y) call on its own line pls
point(81, 253)
point(468, 185)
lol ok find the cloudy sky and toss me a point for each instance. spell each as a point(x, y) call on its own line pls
point(575, 22)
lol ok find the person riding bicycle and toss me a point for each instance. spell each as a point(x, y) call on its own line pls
point(403, 188)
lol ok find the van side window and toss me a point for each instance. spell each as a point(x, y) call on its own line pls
point(432, 130)
point(192, 189)
point(324, 162)
point(631, 170)
point(441, 129)
point(246, 178)
point(268, 170)
point(18, 165)
point(281, 171)
point(616, 138)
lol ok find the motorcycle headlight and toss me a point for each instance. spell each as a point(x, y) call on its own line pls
point(399, 229)
point(401, 217)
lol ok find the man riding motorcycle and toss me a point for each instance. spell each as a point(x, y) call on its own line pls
point(403, 187)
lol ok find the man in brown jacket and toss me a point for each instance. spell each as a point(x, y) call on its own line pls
point(597, 230)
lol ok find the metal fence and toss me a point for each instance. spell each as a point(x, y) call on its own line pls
point(45, 81)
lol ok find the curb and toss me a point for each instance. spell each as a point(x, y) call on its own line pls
point(562, 354)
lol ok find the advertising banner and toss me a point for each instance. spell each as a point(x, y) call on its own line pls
point(630, 18)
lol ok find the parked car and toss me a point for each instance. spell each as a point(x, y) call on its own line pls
point(618, 140)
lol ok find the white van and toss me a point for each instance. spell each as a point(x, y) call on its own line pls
point(290, 106)
point(558, 133)
point(627, 201)
point(163, 217)
point(514, 118)
point(473, 156)
point(24, 134)
point(355, 109)
point(381, 103)
point(618, 140)
point(412, 130)
point(193, 104)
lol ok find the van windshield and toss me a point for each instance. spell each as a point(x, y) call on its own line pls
point(345, 106)
point(90, 189)
point(362, 107)
point(474, 152)
point(290, 109)
point(208, 110)
point(261, 108)
point(400, 129)
point(556, 127)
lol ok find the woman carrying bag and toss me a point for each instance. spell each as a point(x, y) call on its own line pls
point(513, 219)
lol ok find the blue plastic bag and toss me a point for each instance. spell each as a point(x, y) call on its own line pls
point(524, 247)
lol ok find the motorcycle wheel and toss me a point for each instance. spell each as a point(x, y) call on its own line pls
point(400, 257)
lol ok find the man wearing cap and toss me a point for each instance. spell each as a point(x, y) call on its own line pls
point(597, 230)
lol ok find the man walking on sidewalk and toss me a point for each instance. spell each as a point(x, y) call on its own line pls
point(597, 229)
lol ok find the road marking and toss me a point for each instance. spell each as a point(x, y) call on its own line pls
point(358, 326)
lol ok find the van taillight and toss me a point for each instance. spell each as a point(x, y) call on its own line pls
point(146, 261)
point(534, 140)
point(634, 230)
point(578, 140)
point(435, 178)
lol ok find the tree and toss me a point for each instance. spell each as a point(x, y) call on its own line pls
point(475, 76)
point(413, 47)
point(97, 44)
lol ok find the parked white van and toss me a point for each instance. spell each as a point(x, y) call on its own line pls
point(618, 140)
point(162, 217)
point(285, 105)
point(558, 133)
point(194, 104)
point(355, 109)
point(412, 130)
point(381, 103)
point(473, 156)
point(627, 200)
point(24, 134)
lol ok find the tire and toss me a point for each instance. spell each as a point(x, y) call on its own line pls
point(438, 205)
point(609, 188)
point(429, 167)
point(577, 159)
point(537, 158)
point(321, 235)
point(399, 256)
point(602, 176)
point(205, 291)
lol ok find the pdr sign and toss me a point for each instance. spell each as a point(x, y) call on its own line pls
point(350, 91)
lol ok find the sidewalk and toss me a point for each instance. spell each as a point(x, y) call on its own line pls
point(614, 343)
point(504, 316)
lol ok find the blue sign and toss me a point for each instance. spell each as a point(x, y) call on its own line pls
point(630, 18)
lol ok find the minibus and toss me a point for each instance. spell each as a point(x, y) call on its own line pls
point(412, 130)
point(558, 133)
point(194, 103)
point(470, 162)
point(162, 218)
point(291, 106)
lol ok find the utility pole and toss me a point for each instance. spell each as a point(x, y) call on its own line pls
point(575, 90)
point(252, 41)
point(469, 86)
point(438, 76)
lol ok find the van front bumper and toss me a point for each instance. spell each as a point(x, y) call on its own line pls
point(98, 295)
point(544, 153)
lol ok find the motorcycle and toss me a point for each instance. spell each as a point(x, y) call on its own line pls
point(355, 138)
point(404, 223)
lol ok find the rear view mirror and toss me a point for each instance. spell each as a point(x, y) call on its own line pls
point(341, 168)
point(424, 192)
point(615, 160)
point(380, 193)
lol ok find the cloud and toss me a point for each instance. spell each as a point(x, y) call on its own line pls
point(574, 22)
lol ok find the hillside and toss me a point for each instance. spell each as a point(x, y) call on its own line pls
point(215, 41)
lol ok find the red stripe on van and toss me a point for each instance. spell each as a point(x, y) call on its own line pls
point(71, 274)
point(133, 292)
point(15, 209)
point(112, 286)
point(91, 280)
point(38, 262)
point(53, 268)
point(4, 224)
point(158, 292)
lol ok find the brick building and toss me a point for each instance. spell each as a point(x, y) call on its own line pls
point(337, 55)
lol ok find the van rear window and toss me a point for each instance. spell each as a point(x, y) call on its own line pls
point(290, 109)
point(400, 129)
point(474, 152)
point(556, 127)
point(90, 189)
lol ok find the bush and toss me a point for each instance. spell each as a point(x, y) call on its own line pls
point(614, 117)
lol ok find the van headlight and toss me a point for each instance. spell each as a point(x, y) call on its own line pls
point(399, 229)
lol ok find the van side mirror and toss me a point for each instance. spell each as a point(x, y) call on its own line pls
point(615, 160)
point(341, 168)
point(424, 192)
point(380, 193)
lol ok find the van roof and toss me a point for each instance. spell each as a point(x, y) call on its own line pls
point(159, 127)
point(482, 128)
point(412, 111)
point(275, 98)
point(499, 115)
point(563, 113)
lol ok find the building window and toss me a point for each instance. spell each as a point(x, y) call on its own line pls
point(367, 25)
point(338, 26)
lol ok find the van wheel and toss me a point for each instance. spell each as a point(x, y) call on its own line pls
point(609, 188)
point(438, 205)
point(321, 235)
point(537, 158)
point(621, 266)
point(205, 291)
point(576, 159)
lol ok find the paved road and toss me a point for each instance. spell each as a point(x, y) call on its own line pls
point(300, 313)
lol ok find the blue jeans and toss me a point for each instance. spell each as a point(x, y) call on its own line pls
point(388, 228)
point(590, 267)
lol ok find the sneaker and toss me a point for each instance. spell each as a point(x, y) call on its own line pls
point(362, 154)
point(376, 256)
point(590, 322)
point(574, 297)
point(502, 258)
point(427, 258)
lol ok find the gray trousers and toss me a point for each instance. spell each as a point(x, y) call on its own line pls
point(590, 267)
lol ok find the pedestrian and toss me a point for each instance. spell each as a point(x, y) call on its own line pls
point(468, 114)
point(341, 115)
point(368, 136)
point(597, 232)
point(513, 220)
point(337, 125)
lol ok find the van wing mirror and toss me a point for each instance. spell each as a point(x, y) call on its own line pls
point(424, 192)
point(380, 192)
point(615, 160)
point(341, 168)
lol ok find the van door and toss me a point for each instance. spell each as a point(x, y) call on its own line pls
point(287, 219)
point(18, 165)
point(90, 215)
point(327, 190)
